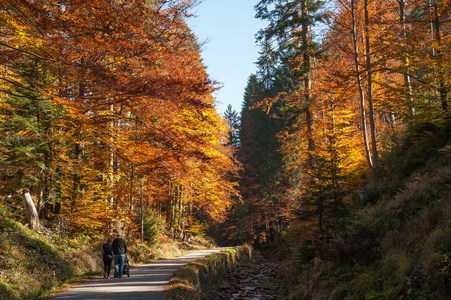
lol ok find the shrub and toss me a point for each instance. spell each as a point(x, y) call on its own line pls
point(197, 228)
point(151, 227)
point(141, 253)
point(151, 230)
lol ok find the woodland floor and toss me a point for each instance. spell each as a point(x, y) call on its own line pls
point(250, 282)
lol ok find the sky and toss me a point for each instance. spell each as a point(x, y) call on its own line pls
point(229, 27)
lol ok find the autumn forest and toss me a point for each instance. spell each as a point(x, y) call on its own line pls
point(107, 114)
point(108, 122)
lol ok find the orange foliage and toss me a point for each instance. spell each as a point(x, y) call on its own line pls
point(138, 110)
point(409, 66)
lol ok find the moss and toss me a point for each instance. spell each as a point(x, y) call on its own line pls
point(6, 291)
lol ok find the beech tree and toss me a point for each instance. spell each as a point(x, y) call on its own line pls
point(130, 107)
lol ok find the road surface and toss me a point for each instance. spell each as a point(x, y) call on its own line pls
point(145, 282)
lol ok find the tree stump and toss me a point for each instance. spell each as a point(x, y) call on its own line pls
point(32, 213)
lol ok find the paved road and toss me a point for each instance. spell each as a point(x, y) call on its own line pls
point(145, 282)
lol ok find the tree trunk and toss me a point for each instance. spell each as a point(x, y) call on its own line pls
point(443, 91)
point(370, 86)
point(76, 178)
point(181, 214)
point(407, 77)
point(110, 193)
point(307, 85)
point(142, 211)
point(32, 213)
point(41, 191)
point(359, 82)
point(76, 188)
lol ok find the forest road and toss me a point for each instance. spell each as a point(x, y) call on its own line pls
point(145, 282)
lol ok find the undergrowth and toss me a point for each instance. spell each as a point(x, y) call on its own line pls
point(35, 265)
point(32, 263)
point(398, 243)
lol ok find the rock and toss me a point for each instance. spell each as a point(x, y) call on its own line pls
point(251, 282)
point(446, 151)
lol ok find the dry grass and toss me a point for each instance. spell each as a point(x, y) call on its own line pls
point(411, 234)
point(32, 264)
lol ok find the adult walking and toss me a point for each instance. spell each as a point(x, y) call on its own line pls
point(119, 250)
point(107, 253)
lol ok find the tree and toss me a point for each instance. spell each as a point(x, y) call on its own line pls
point(130, 114)
point(370, 86)
point(359, 82)
point(232, 118)
point(261, 216)
point(291, 23)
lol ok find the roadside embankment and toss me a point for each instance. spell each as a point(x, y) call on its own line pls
point(186, 282)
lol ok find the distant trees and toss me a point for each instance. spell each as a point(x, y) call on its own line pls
point(233, 122)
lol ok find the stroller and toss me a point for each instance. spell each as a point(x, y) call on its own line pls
point(126, 268)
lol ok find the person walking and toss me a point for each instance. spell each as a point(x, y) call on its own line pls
point(107, 253)
point(119, 250)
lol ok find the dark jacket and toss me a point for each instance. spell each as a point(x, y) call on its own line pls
point(119, 246)
point(107, 251)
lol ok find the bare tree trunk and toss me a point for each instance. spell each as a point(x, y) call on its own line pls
point(142, 211)
point(443, 91)
point(370, 86)
point(32, 213)
point(41, 191)
point(359, 81)
point(407, 77)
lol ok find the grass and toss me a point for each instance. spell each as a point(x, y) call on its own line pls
point(33, 264)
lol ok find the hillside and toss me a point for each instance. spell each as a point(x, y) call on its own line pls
point(33, 263)
point(398, 243)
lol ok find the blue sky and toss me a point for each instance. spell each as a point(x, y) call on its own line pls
point(229, 27)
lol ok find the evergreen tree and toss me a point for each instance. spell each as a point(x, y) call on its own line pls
point(322, 203)
point(260, 217)
point(232, 118)
point(28, 137)
point(315, 187)
point(290, 25)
